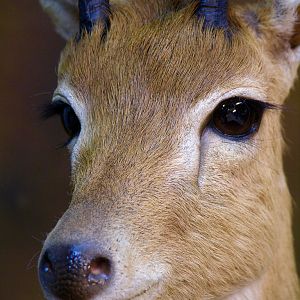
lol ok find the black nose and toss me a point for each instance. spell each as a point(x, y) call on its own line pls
point(74, 272)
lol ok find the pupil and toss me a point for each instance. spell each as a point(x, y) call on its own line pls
point(236, 117)
point(70, 121)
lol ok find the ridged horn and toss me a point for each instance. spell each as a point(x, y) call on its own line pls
point(214, 13)
point(92, 12)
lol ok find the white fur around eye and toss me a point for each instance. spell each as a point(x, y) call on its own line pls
point(230, 154)
point(206, 106)
point(250, 292)
point(291, 3)
point(65, 92)
point(214, 148)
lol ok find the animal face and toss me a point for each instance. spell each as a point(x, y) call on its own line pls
point(176, 147)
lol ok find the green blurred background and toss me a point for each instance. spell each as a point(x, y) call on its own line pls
point(34, 175)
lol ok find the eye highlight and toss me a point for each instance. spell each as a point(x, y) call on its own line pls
point(238, 117)
point(68, 117)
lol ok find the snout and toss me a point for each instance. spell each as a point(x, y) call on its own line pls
point(76, 272)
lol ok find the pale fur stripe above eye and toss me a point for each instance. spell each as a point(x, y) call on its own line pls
point(292, 2)
point(289, 3)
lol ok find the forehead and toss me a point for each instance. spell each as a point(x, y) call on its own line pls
point(168, 58)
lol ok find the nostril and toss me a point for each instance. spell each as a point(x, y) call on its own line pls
point(46, 264)
point(74, 271)
point(99, 270)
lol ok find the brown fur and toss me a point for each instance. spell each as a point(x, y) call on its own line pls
point(212, 217)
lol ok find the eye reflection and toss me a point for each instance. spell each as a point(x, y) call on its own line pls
point(237, 117)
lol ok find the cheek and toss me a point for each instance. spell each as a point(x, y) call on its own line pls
point(236, 191)
point(236, 174)
point(222, 160)
point(242, 166)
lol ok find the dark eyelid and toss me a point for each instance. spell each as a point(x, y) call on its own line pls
point(263, 104)
point(52, 109)
point(257, 105)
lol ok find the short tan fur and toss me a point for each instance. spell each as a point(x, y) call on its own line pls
point(185, 213)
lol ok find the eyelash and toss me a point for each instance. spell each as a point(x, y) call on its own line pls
point(53, 109)
point(57, 108)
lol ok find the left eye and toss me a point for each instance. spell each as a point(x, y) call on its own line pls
point(237, 117)
point(68, 117)
point(70, 121)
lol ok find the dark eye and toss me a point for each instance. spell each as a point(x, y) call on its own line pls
point(68, 117)
point(237, 117)
point(70, 121)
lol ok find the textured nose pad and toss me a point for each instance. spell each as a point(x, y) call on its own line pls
point(74, 272)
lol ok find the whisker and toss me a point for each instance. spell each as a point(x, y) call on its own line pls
point(33, 261)
point(37, 239)
point(41, 94)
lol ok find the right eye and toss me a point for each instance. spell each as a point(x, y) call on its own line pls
point(68, 117)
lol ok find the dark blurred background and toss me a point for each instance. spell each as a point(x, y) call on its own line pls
point(34, 175)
